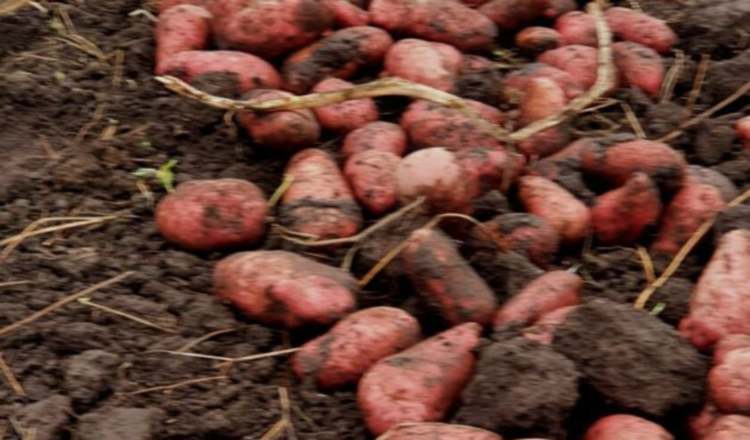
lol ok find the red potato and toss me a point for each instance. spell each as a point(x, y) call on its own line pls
point(251, 72)
point(578, 60)
point(707, 176)
point(743, 131)
point(433, 64)
point(543, 98)
point(432, 125)
point(445, 280)
point(212, 214)
point(511, 14)
point(437, 431)
point(343, 354)
point(729, 382)
point(548, 200)
point(473, 3)
point(318, 201)
point(719, 306)
point(622, 215)
point(569, 157)
point(543, 331)
point(700, 424)
point(639, 66)
point(732, 427)
point(168, 4)
point(626, 427)
point(728, 344)
point(577, 27)
point(285, 130)
point(536, 39)
point(523, 233)
point(444, 21)
point(475, 63)
point(490, 168)
point(181, 28)
point(421, 383)
point(347, 14)
point(516, 83)
point(372, 176)
point(545, 294)
point(339, 55)
point(285, 289)
point(380, 135)
point(641, 28)
point(345, 116)
point(269, 28)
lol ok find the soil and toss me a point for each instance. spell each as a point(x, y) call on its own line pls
point(82, 112)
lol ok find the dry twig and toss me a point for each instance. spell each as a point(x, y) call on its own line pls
point(173, 386)
point(671, 78)
point(14, 384)
point(648, 264)
point(700, 77)
point(88, 302)
point(8, 7)
point(205, 337)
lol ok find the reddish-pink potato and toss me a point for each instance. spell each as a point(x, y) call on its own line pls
point(543, 331)
point(250, 71)
point(380, 135)
point(444, 21)
point(732, 427)
point(213, 214)
point(347, 14)
point(641, 28)
point(511, 14)
point(318, 201)
point(743, 131)
point(433, 64)
point(639, 66)
point(577, 27)
point(699, 424)
point(626, 427)
point(372, 176)
point(620, 216)
point(421, 383)
point(181, 28)
point(719, 305)
point(519, 232)
point(515, 83)
point(543, 98)
point(729, 382)
point(545, 294)
point(168, 4)
point(285, 289)
point(578, 60)
point(285, 130)
point(536, 39)
point(437, 431)
point(569, 158)
point(445, 280)
point(343, 354)
point(558, 207)
point(345, 116)
point(728, 344)
point(490, 168)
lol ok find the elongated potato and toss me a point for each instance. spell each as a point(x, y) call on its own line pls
point(639, 66)
point(731, 427)
point(347, 14)
point(516, 83)
point(420, 383)
point(345, 116)
point(543, 331)
point(543, 98)
point(729, 382)
point(626, 427)
point(285, 130)
point(380, 135)
point(578, 60)
point(548, 200)
point(511, 14)
point(372, 176)
point(536, 39)
point(551, 291)
point(437, 431)
point(577, 27)
point(743, 131)
point(641, 28)
point(620, 216)
point(490, 168)
point(181, 28)
point(343, 354)
point(424, 62)
point(519, 232)
point(728, 344)
point(284, 289)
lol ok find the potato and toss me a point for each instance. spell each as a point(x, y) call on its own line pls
point(339, 55)
point(424, 62)
point(211, 214)
point(516, 83)
point(569, 158)
point(729, 382)
point(433, 125)
point(347, 14)
point(445, 280)
point(639, 66)
point(536, 39)
point(269, 28)
point(372, 176)
point(421, 383)
point(511, 14)
point(699, 424)
point(577, 27)
point(578, 60)
point(318, 201)
point(284, 289)
point(732, 427)
point(548, 200)
point(343, 354)
point(641, 28)
point(519, 232)
point(490, 168)
point(444, 21)
point(345, 116)
point(626, 427)
point(250, 71)
point(379, 135)
point(285, 130)
point(545, 294)
point(543, 331)
point(181, 28)
point(543, 98)
point(728, 344)
point(168, 4)
point(718, 306)
point(437, 431)
point(622, 215)
point(743, 131)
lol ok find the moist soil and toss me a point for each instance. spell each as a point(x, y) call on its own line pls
point(81, 112)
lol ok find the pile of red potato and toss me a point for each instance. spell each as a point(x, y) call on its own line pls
point(408, 385)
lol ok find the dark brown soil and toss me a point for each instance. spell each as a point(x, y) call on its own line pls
point(79, 119)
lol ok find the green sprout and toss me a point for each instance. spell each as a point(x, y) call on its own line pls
point(658, 308)
point(164, 174)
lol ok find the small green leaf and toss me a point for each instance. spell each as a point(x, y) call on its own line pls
point(658, 308)
point(166, 176)
point(145, 173)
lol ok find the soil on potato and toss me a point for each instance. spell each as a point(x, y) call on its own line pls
point(81, 112)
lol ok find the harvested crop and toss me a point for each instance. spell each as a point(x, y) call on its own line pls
point(536, 39)
point(626, 427)
point(548, 200)
point(622, 215)
point(551, 291)
point(638, 27)
point(519, 232)
point(345, 116)
point(372, 176)
point(379, 135)
point(179, 29)
point(285, 130)
point(424, 62)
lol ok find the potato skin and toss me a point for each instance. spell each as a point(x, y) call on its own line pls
point(343, 354)
point(728, 344)
point(346, 116)
point(284, 289)
point(511, 14)
point(620, 216)
point(543, 98)
point(641, 28)
point(446, 281)
point(536, 39)
point(523, 233)
point(626, 427)
point(251, 72)
point(719, 306)
point(548, 200)
point(578, 60)
point(444, 21)
point(181, 28)
point(743, 131)
point(490, 168)
point(577, 27)
point(318, 201)
point(543, 331)
point(437, 431)
point(212, 214)
point(639, 66)
point(433, 64)
point(729, 382)
point(379, 135)
point(516, 83)
point(372, 176)
point(731, 427)
point(284, 130)
point(347, 14)
point(545, 294)
point(420, 383)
